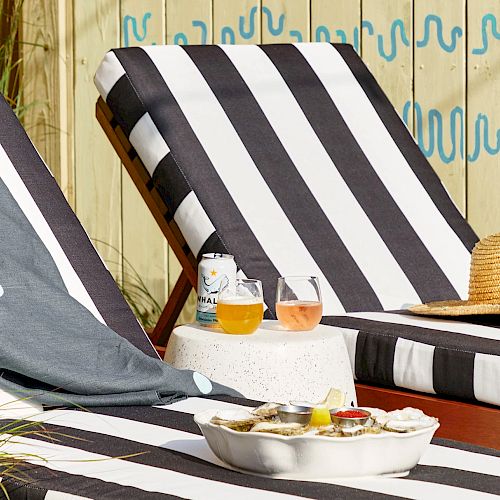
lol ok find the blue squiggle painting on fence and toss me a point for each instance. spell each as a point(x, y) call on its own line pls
point(478, 142)
point(131, 22)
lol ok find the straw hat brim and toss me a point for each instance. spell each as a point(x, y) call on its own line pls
point(455, 308)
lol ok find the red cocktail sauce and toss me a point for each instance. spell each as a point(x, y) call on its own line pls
point(350, 414)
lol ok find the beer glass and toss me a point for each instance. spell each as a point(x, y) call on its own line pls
point(298, 302)
point(240, 309)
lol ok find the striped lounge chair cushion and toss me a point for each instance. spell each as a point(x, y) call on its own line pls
point(291, 158)
point(170, 459)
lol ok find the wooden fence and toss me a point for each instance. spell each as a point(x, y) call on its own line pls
point(438, 61)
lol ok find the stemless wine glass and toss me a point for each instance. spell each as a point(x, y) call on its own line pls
point(298, 302)
point(240, 309)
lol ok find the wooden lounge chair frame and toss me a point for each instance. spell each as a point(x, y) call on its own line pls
point(463, 421)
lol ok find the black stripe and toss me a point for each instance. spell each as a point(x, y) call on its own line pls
point(447, 443)
point(170, 183)
point(67, 229)
point(439, 338)
point(374, 358)
point(40, 480)
point(427, 278)
point(213, 244)
point(408, 147)
point(460, 479)
point(233, 230)
point(453, 372)
point(186, 464)
point(284, 180)
point(127, 107)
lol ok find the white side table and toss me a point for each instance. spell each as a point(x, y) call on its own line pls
point(269, 365)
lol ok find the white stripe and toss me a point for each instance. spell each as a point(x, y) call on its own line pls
point(35, 217)
point(485, 332)
point(413, 365)
point(326, 184)
point(350, 339)
point(59, 495)
point(389, 163)
point(196, 405)
point(193, 222)
point(486, 378)
point(108, 73)
point(148, 142)
point(125, 473)
point(236, 168)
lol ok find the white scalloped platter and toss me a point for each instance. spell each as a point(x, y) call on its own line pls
point(309, 457)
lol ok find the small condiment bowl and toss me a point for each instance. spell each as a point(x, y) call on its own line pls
point(295, 414)
point(349, 421)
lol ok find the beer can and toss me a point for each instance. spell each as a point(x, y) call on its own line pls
point(216, 271)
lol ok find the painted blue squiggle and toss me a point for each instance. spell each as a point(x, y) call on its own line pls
point(132, 21)
point(297, 34)
point(355, 36)
point(251, 31)
point(323, 31)
point(484, 34)
point(491, 150)
point(368, 26)
point(281, 22)
point(225, 33)
point(480, 141)
point(180, 39)
point(455, 34)
point(204, 31)
point(397, 24)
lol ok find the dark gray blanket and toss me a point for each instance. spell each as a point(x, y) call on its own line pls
point(55, 351)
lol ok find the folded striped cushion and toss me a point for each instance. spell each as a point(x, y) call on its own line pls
point(291, 158)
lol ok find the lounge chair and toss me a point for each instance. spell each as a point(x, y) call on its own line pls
point(291, 158)
point(163, 454)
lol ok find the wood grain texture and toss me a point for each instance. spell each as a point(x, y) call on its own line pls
point(336, 21)
point(189, 22)
point(483, 108)
point(237, 21)
point(97, 169)
point(387, 49)
point(285, 21)
point(145, 249)
point(439, 83)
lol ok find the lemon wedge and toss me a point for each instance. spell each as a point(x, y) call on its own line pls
point(334, 399)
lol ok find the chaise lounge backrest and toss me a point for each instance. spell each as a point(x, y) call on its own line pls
point(291, 158)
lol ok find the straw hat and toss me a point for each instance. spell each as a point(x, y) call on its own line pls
point(484, 284)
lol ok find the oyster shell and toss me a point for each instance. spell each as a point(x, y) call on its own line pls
point(267, 410)
point(406, 420)
point(330, 431)
point(282, 428)
point(355, 430)
point(238, 420)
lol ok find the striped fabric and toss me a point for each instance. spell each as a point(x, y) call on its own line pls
point(173, 460)
point(291, 158)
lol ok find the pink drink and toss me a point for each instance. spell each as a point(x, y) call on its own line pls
point(299, 315)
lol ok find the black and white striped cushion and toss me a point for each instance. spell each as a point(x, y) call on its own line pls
point(171, 459)
point(291, 158)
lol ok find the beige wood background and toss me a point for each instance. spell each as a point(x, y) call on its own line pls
point(438, 61)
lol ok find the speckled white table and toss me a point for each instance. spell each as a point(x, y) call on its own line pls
point(271, 364)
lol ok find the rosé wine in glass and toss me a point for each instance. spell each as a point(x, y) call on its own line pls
point(298, 302)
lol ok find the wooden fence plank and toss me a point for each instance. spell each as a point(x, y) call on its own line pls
point(386, 43)
point(145, 249)
point(439, 84)
point(46, 88)
point(189, 22)
point(237, 21)
point(337, 21)
point(483, 116)
point(285, 21)
point(97, 169)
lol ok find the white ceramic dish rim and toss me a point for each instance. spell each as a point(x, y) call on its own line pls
point(279, 437)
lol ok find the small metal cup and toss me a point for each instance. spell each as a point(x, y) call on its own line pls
point(349, 421)
point(295, 414)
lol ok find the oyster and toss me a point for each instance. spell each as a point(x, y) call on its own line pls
point(355, 430)
point(282, 428)
point(267, 410)
point(238, 420)
point(330, 431)
point(406, 420)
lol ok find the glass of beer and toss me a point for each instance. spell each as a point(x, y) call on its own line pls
point(298, 302)
point(240, 309)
